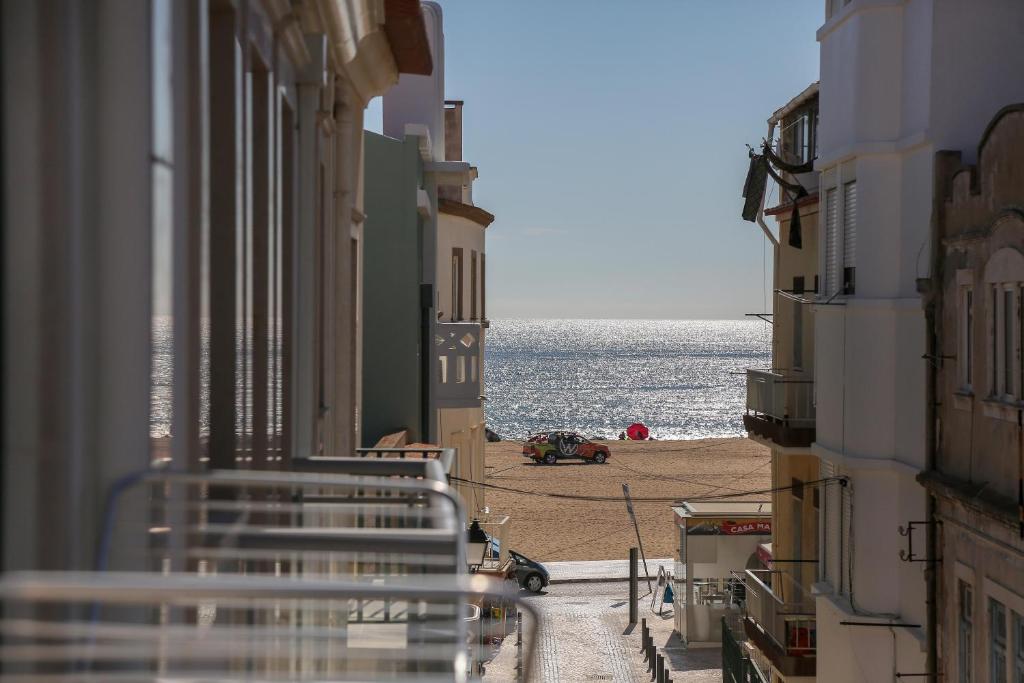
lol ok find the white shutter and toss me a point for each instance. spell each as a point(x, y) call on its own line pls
point(850, 225)
point(846, 549)
point(831, 239)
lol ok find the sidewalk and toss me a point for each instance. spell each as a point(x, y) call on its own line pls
point(602, 570)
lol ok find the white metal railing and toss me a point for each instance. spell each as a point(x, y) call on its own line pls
point(786, 612)
point(783, 396)
point(459, 364)
point(354, 569)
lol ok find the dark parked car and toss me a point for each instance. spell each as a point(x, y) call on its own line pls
point(531, 575)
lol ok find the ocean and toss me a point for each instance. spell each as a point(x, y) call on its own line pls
point(682, 378)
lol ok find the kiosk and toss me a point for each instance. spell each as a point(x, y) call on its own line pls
point(715, 539)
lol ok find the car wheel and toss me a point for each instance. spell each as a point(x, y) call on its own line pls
point(600, 457)
point(533, 583)
point(550, 458)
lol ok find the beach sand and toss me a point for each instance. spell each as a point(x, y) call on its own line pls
point(548, 529)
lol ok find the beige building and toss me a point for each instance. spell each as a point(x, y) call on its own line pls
point(462, 315)
point(974, 300)
point(780, 624)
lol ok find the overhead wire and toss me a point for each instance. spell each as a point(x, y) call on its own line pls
point(643, 499)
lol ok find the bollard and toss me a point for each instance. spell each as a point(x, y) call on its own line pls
point(634, 594)
point(661, 669)
point(643, 633)
point(520, 674)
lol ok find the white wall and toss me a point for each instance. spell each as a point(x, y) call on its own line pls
point(452, 232)
point(420, 99)
point(899, 82)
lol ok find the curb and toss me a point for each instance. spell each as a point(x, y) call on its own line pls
point(596, 579)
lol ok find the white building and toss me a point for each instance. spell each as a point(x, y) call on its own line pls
point(900, 80)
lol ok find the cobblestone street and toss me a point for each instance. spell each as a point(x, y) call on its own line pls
point(585, 637)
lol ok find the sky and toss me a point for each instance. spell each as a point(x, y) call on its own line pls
point(610, 141)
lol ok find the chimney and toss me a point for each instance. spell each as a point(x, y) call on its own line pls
point(453, 130)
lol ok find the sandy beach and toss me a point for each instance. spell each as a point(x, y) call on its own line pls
point(549, 529)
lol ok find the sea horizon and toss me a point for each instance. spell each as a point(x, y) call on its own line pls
point(684, 379)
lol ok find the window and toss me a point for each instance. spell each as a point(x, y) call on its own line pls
point(1018, 648)
point(1005, 355)
point(798, 335)
point(849, 237)
point(965, 633)
point(1008, 319)
point(457, 283)
point(831, 238)
point(997, 641)
point(966, 333)
point(472, 285)
point(798, 324)
point(797, 490)
point(483, 286)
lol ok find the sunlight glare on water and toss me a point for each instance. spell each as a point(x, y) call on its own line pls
point(683, 378)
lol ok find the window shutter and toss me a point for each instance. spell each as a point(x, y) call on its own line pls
point(850, 225)
point(846, 550)
point(831, 238)
point(849, 237)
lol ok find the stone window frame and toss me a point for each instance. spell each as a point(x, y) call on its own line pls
point(1013, 604)
point(966, 320)
point(1004, 274)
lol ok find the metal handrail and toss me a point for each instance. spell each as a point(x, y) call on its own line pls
point(791, 624)
point(248, 478)
point(91, 644)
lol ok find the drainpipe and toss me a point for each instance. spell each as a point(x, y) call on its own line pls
point(932, 298)
point(931, 291)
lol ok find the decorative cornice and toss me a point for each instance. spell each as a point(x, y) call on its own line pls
point(468, 211)
point(407, 33)
point(971, 495)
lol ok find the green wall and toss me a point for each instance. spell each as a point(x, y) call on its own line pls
point(392, 273)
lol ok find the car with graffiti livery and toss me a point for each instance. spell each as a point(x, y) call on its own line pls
point(550, 447)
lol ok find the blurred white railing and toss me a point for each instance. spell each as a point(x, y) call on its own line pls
point(353, 569)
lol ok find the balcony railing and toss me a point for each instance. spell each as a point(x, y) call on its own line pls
point(780, 620)
point(354, 569)
point(780, 407)
point(459, 368)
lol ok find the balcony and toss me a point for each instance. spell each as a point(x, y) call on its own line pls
point(780, 407)
point(458, 348)
point(780, 621)
point(352, 569)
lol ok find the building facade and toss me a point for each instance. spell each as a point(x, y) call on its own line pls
point(461, 313)
point(182, 287)
point(453, 267)
point(975, 298)
point(397, 335)
point(779, 625)
point(899, 81)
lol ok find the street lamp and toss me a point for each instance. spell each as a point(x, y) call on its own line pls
point(477, 542)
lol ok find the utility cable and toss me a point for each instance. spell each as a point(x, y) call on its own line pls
point(649, 499)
